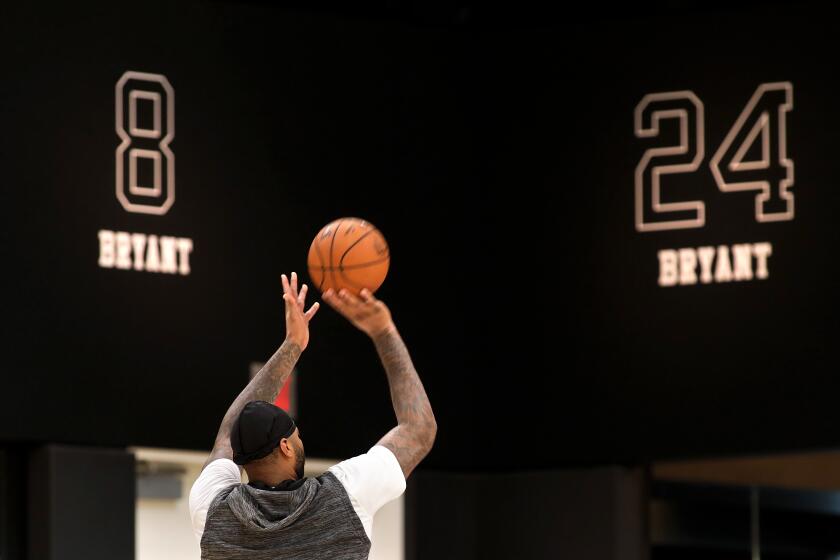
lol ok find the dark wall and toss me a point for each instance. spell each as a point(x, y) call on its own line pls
point(594, 514)
point(13, 507)
point(72, 514)
point(497, 158)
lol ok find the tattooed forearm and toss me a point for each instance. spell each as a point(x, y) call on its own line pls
point(263, 387)
point(415, 432)
point(267, 383)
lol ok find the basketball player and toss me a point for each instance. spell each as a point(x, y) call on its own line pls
point(280, 514)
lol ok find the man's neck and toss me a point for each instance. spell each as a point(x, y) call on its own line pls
point(286, 485)
point(271, 478)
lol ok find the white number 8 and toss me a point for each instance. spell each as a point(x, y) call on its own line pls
point(139, 143)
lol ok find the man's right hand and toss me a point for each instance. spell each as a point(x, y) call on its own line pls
point(367, 313)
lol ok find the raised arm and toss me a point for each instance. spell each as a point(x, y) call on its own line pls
point(270, 379)
point(412, 438)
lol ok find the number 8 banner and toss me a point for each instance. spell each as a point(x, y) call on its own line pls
point(145, 122)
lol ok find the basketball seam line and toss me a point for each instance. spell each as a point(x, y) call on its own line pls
point(323, 269)
point(353, 266)
point(332, 245)
point(341, 260)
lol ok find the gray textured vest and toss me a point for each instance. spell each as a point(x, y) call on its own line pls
point(314, 521)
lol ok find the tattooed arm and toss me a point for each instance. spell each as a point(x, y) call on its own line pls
point(267, 383)
point(412, 438)
point(263, 387)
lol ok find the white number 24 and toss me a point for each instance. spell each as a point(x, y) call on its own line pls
point(762, 120)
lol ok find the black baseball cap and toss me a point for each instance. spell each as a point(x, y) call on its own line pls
point(258, 431)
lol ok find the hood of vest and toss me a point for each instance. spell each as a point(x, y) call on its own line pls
point(271, 509)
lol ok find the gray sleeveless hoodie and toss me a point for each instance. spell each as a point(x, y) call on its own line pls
point(312, 520)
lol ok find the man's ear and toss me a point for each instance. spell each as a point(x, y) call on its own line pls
point(286, 448)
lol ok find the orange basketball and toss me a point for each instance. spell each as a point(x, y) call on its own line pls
point(348, 253)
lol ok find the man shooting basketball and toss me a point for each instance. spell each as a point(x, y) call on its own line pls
point(280, 514)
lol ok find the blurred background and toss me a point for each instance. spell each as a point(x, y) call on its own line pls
point(613, 258)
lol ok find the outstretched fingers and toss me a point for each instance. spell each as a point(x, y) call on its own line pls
point(312, 311)
point(302, 295)
point(294, 284)
point(301, 301)
point(349, 299)
point(330, 297)
point(348, 303)
point(291, 287)
point(340, 301)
